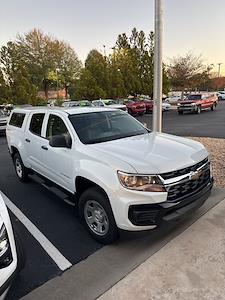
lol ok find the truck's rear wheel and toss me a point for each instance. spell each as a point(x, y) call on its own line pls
point(97, 216)
point(21, 170)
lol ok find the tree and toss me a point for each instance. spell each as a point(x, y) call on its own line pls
point(186, 71)
point(43, 55)
point(87, 87)
point(17, 81)
point(4, 89)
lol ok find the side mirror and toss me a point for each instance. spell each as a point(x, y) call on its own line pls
point(60, 141)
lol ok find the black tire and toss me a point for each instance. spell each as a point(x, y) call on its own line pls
point(213, 107)
point(94, 196)
point(198, 111)
point(21, 170)
point(180, 112)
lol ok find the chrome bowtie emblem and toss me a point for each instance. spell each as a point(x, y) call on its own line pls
point(195, 175)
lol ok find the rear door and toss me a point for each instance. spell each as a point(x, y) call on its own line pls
point(33, 141)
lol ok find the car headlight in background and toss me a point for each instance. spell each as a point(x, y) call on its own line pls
point(5, 251)
point(193, 104)
point(178, 104)
point(144, 183)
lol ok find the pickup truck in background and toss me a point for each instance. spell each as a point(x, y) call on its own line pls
point(197, 102)
point(119, 174)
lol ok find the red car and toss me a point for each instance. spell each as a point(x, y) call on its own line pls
point(135, 107)
point(149, 105)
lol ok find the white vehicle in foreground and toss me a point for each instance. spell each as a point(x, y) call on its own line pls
point(121, 175)
point(11, 257)
point(109, 103)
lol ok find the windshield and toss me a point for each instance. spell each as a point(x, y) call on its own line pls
point(98, 127)
point(85, 103)
point(194, 97)
point(109, 102)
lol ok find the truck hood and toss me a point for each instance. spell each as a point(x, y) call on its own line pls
point(154, 153)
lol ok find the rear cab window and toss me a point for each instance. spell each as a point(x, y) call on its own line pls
point(17, 119)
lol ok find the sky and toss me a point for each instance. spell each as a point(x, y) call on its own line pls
point(193, 25)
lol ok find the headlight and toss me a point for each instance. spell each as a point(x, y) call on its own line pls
point(178, 104)
point(5, 251)
point(144, 183)
point(193, 104)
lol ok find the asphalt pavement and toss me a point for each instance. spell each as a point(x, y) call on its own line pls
point(207, 124)
point(57, 220)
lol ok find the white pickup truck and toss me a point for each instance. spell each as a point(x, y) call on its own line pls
point(121, 175)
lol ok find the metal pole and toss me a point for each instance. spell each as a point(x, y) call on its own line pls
point(157, 90)
point(219, 64)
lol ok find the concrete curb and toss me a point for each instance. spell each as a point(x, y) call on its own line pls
point(99, 272)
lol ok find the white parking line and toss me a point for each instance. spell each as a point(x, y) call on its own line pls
point(52, 251)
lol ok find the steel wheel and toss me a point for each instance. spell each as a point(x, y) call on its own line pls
point(19, 168)
point(96, 217)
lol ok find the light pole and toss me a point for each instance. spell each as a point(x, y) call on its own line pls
point(57, 82)
point(157, 90)
point(219, 64)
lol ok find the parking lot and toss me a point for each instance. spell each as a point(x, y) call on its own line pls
point(57, 221)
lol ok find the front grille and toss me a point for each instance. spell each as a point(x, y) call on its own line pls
point(184, 171)
point(3, 124)
point(188, 188)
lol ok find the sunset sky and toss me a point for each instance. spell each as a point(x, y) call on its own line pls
point(193, 25)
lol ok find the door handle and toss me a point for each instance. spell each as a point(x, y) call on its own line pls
point(27, 140)
point(44, 147)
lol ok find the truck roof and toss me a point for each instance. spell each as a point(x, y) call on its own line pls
point(68, 110)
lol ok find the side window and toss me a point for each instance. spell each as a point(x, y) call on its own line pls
point(56, 126)
point(17, 119)
point(36, 123)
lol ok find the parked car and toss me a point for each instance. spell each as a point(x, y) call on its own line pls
point(173, 99)
point(12, 257)
point(109, 103)
point(166, 106)
point(135, 107)
point(198, 102)
point(221, 95)
point(3, 121)
point(119, 173)
point(76, 103)
point(148, 105)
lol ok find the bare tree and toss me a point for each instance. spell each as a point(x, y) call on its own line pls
point(186, 71)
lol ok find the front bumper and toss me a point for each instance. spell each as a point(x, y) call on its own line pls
point(156, 214)
point(136, 213)
point(187, 108)
point(2, 128)
point(5, 287)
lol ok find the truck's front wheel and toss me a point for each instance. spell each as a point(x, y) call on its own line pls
point(97, 216)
